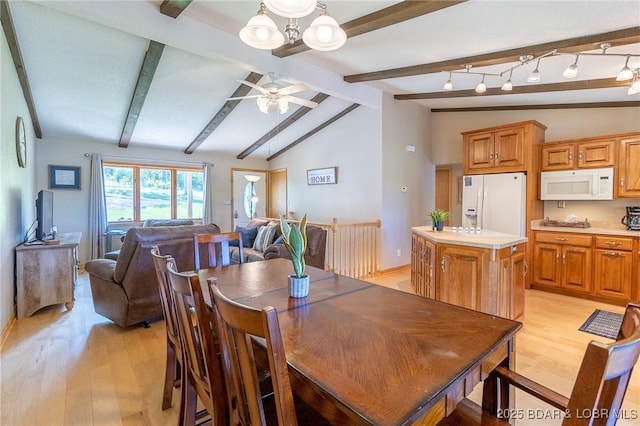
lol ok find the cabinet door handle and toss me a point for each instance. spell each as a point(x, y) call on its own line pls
point(557, 257)
point(571, 156)
point(495, 155)
point(564, 258)
point(442, 266)
point(613, 243)
point(612, 253)
point(526, 268)
point(622, 182)
point(580, 156)
point(491, 156)
point(561, 239)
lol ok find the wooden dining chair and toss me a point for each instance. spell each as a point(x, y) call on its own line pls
point(219, 253)
point(238, 326)
point(204, 378)
point(599, 387)
point(174, 369)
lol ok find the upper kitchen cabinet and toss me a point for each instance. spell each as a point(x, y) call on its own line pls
point(503, 149)
point(578, 154)
point(628, 173)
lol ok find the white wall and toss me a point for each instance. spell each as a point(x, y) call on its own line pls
point(404, 123)
point(353, 145)
point(17, 196)
point(71, 206)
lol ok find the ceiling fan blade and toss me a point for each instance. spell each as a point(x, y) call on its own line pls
point(299, 101)
point(255, 86)
point(243, 97)
point(294, 88)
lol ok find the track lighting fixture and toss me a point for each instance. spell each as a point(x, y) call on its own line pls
point(626, 73)
point(534, 77)
point(572, 70)
point(481, 87)
point(508, 85)
point(323, 34)
point(449, 84)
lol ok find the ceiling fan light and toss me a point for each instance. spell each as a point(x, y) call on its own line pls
point(507, 86)
point(263, 104)
point(261, 33)
point(324, 34)
point(291, 8)
point(283, 105)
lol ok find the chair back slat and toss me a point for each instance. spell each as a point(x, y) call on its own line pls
point(168, 306)
point(199, 337)
point(218, 248)
point(238, 325)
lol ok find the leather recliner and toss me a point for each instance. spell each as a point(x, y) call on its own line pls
point(126, 290)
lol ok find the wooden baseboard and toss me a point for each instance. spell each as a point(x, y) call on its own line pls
point(394, 269)
point(7, 329)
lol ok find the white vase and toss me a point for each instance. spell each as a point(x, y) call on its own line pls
point(298, 287)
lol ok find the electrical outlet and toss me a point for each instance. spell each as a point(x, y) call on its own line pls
point(398, 252)
point(561, 204)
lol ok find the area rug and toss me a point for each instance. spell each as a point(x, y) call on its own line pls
point(603, 323)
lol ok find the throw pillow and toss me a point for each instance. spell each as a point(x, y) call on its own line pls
point(279, 240)
point(248, 236)
point(264, 238)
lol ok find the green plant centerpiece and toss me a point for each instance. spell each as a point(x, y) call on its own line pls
point(295, 240)
point(438, 217)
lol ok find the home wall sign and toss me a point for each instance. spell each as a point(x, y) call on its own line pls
point(322, 176)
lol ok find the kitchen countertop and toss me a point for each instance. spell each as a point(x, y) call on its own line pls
point(483, 239)
point(620, 230)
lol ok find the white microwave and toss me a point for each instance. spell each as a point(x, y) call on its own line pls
point(585, 184)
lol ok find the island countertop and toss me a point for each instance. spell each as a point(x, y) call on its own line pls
point(483, 239)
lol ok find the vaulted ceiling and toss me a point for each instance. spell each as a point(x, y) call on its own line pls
point(151, 73)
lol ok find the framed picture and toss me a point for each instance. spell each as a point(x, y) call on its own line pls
point(64, 177)
point(324, 176)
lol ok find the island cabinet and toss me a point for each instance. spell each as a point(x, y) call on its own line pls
point(484, 272)
point(503, 149)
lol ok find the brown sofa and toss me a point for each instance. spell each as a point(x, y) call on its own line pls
point(314, 256)
point(126, 290)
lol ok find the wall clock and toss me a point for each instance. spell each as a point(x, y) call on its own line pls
point(21, 143)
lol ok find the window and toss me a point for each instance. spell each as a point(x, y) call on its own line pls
point(135, 193)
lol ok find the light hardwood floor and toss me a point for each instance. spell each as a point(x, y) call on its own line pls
point(78, 368)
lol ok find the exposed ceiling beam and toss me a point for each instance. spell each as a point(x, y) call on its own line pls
point(174, 8)
point(602, 83)
point(16, 55)
point(280, 127)
point(546, 106)
point(223, 113)
point(147, 71)
point(314, 131)
point(571, 45)
point(391, 15)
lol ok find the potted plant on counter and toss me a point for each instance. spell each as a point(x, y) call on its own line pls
point(295, 240)
point(438, 217)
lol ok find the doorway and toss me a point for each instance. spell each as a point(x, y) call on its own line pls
point(249, 195)
point(277, 199)
point(443, 190)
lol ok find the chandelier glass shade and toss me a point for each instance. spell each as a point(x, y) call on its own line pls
point(324, 33)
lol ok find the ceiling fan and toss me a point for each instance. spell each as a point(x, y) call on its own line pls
point(274, 95)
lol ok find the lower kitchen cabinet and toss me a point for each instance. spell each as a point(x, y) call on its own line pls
point(599, 267)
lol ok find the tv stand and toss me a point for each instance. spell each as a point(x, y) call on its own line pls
point(46, 274)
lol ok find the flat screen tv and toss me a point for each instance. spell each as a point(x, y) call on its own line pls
point(44, 214)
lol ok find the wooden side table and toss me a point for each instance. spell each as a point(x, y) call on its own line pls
point(46, 274)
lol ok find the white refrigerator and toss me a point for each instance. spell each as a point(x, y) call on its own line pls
point(496, 202)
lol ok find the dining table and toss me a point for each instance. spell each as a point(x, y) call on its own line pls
point(364, 354)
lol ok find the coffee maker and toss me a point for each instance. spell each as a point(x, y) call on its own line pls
point(632, 218)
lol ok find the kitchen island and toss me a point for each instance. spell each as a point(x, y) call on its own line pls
point(484, 270)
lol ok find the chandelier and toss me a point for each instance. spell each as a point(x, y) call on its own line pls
point(323, 34)
point(571, 71)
